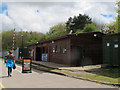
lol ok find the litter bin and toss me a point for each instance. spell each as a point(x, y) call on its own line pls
point(26, 65)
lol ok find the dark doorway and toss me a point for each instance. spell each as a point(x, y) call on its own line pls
point(38, 54)
point(78, 55)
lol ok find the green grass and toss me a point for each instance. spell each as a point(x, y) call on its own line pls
point(98, 78)
point(102, 78)
point(109, 72)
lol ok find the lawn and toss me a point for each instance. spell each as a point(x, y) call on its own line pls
point(109, 75)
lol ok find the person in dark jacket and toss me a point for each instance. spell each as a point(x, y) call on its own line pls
point(5, 59)
point(10, 63)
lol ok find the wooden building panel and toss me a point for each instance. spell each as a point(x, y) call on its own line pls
point(60, 56)
point(79, 49)
point(92, 47)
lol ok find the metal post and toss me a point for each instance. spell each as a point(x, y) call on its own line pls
point(22, 47)
point(13, 46)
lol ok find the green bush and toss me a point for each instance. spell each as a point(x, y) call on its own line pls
point(79, 31)
point(90, 28)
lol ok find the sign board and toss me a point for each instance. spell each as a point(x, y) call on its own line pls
point(44, 57)
point(26, 65)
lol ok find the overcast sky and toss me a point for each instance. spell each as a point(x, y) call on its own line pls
point(40, 16)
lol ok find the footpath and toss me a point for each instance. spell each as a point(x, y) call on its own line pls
point(89, 73)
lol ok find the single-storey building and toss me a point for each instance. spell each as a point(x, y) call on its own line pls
point(72, 49)
point(111, 49)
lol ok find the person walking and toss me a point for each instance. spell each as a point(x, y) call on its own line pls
point(10, 63)
point(5, 59)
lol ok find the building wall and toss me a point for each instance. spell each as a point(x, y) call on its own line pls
point(111, 49)
point(81, 49)
point(91, 47)
point(58, 56)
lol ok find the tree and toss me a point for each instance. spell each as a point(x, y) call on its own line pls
point(114, 27)
point(28, 38)
point(117, 22)
point(34, 37)
point(100, 26)
point(110, 28)
point(7, 40)
point(56, 30)
point(90, 28)
point(78, 22)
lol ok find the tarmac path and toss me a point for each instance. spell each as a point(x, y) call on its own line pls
point(40, 79)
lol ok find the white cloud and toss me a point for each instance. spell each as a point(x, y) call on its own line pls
point(102, 8)
point(7, 23)
point(58, 0)
point(25, 16)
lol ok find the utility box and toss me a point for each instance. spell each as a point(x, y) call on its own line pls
point(26, 65)
point(111, 49)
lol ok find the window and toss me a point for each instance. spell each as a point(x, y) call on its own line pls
point(108, 44)
point(63, 49)
point(57, 49)
point(53, 50)
point(116, 46)
point(60, 49)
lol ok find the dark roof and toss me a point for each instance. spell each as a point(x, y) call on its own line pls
point(62, 37)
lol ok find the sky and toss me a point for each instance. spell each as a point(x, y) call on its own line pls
point(40, 16)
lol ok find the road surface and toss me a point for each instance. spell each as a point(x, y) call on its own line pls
point(40, 79)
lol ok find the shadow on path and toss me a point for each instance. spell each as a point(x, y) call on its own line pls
point(4, 77)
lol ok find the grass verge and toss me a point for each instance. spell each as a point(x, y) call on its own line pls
point(91, 77)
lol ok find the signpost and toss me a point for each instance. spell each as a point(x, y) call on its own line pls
point(26, 65)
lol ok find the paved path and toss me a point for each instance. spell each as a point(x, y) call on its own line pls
point(40, 79)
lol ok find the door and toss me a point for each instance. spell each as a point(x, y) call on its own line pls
point(107, 51)
point(38, 54)
point(77, 55)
